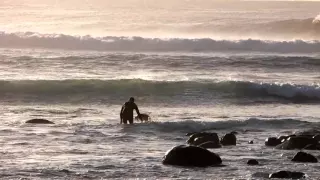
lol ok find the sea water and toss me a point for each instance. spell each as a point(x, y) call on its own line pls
point(250, 66)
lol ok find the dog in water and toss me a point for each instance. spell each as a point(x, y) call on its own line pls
point(144, 118)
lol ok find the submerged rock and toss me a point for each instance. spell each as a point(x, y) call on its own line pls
point(229, 139)
point(191, 156)
point(252, 162)
point(39, 121)
point(304, 157)
point(287, 175)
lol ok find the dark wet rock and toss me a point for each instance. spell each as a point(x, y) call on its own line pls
point(39, 121)
point(199, 138)
point(189, 134)
point(228, 139)
point(287, 175)
point(284, 138)
point(298, 142)
point(312, 147)
point(210, 145)
point(272, 141)
point(206, 139)
point(191, 156)
point(250, 142)
point(316, 137)
point(252, 162)
point(281, 138)
point(304, 157)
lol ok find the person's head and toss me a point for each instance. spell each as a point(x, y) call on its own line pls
point(131, 99)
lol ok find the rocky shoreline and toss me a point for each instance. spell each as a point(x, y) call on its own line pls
point(197, 152)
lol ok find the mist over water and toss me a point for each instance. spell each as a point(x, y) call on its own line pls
point(217, 20)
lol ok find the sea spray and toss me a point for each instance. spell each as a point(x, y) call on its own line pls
point(316, 20)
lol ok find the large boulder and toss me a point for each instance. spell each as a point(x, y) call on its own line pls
point(202, 137)
point(272, 141)
point(287, 175)
point(39, 121)
point(304, 157)
point(229, 139)
point(298, 142)
point(191, 156)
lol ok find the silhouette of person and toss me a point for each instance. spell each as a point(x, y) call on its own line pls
point(126, 113)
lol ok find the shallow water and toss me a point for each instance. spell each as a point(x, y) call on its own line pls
point(86, 144)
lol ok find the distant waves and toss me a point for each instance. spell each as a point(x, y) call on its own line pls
point(112, 43)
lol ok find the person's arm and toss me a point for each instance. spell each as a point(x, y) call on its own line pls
point(137, 110)
point(121, 114)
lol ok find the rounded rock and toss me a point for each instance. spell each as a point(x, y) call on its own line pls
point(39, 121)
point(252, 162)
point(191, 156)
point(229, 139)
point(272, 141)
point(304, 157)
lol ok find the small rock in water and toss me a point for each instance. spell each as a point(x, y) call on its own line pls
point(65, 171)
point(228, 139)
point(287, 175)
point(304, 157)
point(272, 141)
point(252, 162)
point(39, 121)
point(250, 142)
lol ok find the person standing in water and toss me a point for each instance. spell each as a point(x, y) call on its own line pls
point(126, 113)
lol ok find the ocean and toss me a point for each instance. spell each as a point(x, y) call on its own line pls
point(201, 65)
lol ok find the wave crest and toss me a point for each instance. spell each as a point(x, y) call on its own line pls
point(118, 90)
point(113, 43)
point(187, 126)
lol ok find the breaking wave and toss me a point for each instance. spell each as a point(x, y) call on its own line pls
point(113, 43)
point(187, 126)
point(155, 91)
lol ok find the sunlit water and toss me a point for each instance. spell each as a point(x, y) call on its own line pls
point(222, 82)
